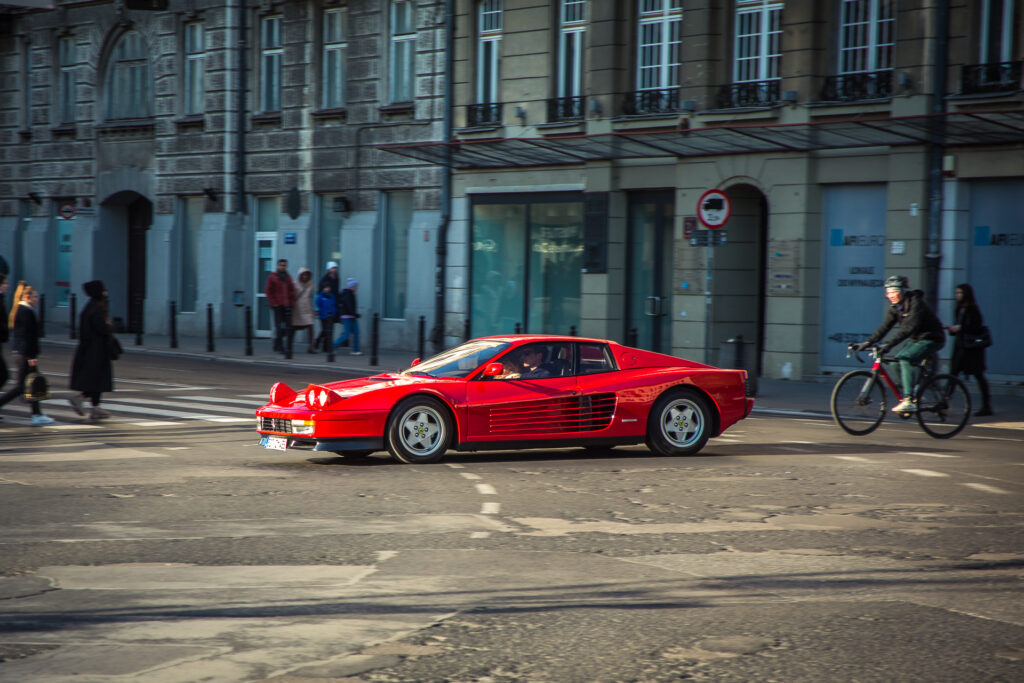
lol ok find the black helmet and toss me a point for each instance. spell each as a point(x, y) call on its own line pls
point(896, 282)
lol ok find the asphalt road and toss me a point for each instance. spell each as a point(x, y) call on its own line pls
point(165, 545)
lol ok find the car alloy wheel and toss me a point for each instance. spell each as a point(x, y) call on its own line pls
point(419, 431)
point(679, 423)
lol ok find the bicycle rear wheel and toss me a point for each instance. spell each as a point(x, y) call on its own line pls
point(943, 406)
point(858, 402)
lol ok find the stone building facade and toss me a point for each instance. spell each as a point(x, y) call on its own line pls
point(685, 172)
point(177, 153)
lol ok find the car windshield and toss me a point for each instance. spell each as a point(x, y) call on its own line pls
point(460, 361)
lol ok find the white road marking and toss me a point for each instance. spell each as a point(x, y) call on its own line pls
point(930, 455)
point(490, 509)
point(217, 399)
point(177, 448)
point(265, 396)
point(486, 490)
point(77, 444)
point(852, 458)
point(469, 475)
point(184, 404)
point(480, 534)
point(794, 449)
point(454, 465)
point(176, 413)
point(926, 473)
point(154, 423)
point(985, 487)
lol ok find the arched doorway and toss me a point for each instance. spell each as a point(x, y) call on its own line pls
point(120, 259)
point(738, 277)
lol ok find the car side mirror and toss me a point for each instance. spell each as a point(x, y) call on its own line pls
point(415, 361)
point(493, 369)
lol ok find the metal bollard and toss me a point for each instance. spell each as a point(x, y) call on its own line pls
point(329, 341)
point(248, 330)
point(138, 320)
point(41, 325)
point(631, 338)
point(174, 324)
point(209, 327)
point(519, 328)
point(465, 330)
point(73, 305)
point(375, 329)
point(572, 330)
point(421, 336)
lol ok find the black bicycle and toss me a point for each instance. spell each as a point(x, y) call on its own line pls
point(859, 400)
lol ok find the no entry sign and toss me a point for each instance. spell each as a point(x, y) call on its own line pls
point(66, 211)
point(714, 208)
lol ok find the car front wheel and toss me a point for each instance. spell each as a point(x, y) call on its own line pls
point(679, 423)
point(419, 431)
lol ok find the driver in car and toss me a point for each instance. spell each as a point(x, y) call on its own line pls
point(529, 366)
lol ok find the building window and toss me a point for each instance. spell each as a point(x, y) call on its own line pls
point(572, 19)
point(26, 85)
point(758, 41)
point(659, 44)
point(488, 50)
point(866, 36)
point(397, 218)
point(67, 80)
point(268, 213)
point(270, 64)
point(331, 217)
point(403, 50)
point(195, 67)
point(333, 88)
point(128, 80)
point(996, 31)
point(192, 209)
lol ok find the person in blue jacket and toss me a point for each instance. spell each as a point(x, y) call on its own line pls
point(326, 311)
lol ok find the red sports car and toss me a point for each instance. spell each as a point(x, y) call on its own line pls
point(516, 391)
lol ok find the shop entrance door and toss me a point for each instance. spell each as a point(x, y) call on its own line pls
point(649, 270)
point(266, 263)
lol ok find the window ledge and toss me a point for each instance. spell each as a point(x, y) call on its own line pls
point(266, 118)
point(330, 113)
point(397, 108)
point(562, 127)
point(824, 104)
point(64, 129)
point(978, 96)
point(127, 124)
point(475, 132)
point(25, 133)
point(190, 121)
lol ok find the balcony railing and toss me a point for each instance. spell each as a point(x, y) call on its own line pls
point(751, 94)
point(566, 108)
point(862, 86)
point(488, 114)
point(995, 77)
point(651, 102)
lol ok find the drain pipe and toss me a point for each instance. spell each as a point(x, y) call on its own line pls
point(240, 147)
point(441, 265)
point(936, 150)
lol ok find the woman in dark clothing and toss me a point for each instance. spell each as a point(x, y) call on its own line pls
point(965, 360)
point(4, 331)
point(92, 373)
point(25, 336)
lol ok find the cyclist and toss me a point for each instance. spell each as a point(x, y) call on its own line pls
point(918, 323)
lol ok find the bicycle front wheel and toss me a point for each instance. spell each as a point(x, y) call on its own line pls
point(943, 406)
point(858, 402)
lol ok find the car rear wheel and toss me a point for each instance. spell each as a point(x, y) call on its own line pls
point(419, 430)
point(679, 423)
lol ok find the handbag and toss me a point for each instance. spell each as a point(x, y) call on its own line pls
point(36, 387)
point(114, 349)
point(981, 340)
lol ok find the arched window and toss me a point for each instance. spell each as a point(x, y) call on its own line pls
point(128, 83)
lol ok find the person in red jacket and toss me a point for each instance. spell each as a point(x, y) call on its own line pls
point(280, 291)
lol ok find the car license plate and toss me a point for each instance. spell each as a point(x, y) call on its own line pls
point(276, 443)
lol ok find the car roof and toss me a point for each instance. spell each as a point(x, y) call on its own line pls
point(547, 338)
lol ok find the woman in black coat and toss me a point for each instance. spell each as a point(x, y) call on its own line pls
point(25, 345)
point(92, 372)
point(969, 361)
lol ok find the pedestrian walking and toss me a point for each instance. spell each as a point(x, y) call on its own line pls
point(280, 291)
point(92, 370)
point(327, 312)
point(302, 317)
point(331, 280)
point(4, 331)
point(25, 345)
point(969, 342)
point(347, 310)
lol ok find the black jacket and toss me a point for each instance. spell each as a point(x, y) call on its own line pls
point(916, 319)
point(26, 333)
point(347, 303)
point(969, 361)
point(4, 330)
point(91, 369)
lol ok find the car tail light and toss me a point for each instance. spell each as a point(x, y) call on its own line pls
point(320, 397)
point(281, 394)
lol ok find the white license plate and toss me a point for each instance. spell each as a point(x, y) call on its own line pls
point(276, 443)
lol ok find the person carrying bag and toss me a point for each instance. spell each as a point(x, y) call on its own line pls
point(25, 345)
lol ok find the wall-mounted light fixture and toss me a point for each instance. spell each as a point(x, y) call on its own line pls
point(293, 203)
point(595, 106)
point(689, 106)
point(521, 114)
point(903, 80)
point(211, 193)
point(341, 205)
point(790, 96)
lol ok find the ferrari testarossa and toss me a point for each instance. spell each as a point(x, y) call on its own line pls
point(511, 392)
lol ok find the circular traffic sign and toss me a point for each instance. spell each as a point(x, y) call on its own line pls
point(66, 211)
point(714, 208)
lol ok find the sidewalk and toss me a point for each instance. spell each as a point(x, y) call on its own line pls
point(775, 396)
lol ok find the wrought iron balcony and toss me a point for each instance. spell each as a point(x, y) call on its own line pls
point(994, 77)
point(651, 102)
point(750, 94)
point(566, 108)
point(861, 86)
point(488, 114)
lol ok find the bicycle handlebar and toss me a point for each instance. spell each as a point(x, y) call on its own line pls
point(851, 349)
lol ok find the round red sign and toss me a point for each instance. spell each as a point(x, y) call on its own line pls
point(714, 208)
point(66, 211)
